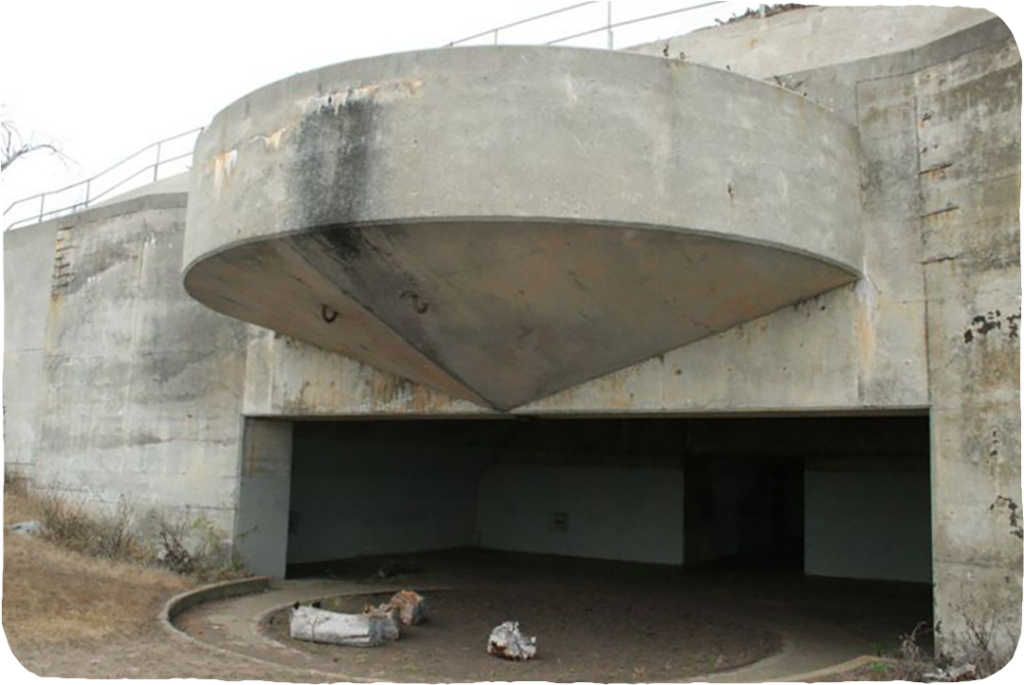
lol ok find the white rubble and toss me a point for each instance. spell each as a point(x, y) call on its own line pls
point(508, 642)
point(329, 627)
point(392, 620)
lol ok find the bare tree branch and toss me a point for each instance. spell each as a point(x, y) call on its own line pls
point(13, 146)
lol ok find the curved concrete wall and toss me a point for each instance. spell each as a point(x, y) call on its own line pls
point(530, 133)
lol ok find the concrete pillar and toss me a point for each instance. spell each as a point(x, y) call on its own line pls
point(968, 123)
point(261, 521)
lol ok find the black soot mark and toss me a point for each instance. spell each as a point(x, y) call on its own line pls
point(983, 324)
point(330, 172)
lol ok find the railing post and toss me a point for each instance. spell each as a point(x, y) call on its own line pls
point(42, 205)
point(495, 36)
point(156, 167)
point(88, 190)
point(611, 40)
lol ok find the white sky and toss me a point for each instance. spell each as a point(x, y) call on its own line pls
point(104, 78)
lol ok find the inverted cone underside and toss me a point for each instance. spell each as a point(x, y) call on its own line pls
point(503, 313)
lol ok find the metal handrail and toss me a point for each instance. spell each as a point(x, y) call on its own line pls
point(90, 182)
point(608, 27)
point(518, 23)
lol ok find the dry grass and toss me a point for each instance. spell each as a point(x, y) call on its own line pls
point(52, 594)
point(18, 506)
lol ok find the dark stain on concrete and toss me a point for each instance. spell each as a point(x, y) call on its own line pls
point(1013, 325)
point(331, 168)
point(983, 324)
point(1014, 516)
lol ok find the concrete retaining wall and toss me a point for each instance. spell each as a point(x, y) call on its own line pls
point(137, 387)
point(28, 270)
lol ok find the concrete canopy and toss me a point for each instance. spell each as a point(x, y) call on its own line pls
point(504, 223)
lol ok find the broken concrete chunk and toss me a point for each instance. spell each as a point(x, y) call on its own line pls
point(392, 619)
point(329, 627)
point(507, 642)
point(411, 606)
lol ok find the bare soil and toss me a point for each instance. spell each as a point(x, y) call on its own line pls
point(594, 621)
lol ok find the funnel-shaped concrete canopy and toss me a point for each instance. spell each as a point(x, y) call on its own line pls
point(505, 223)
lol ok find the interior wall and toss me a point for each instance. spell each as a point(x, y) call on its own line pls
point(627, 514)
point(380, 488)
point(615, 489)
point(120, 388)
point(870, 524)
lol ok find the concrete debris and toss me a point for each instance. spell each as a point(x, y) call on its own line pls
point(507, 642)
point(26, 528)
point(329, 627)
point(392, 617)
point(411, 606)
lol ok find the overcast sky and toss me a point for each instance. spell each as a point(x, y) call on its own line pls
point(103, 78)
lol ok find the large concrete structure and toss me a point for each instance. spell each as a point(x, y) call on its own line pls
point(794, 242)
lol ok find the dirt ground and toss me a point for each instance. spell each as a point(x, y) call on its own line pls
point(599, 621)
point(621, 634)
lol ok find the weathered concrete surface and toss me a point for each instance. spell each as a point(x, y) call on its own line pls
point(505, 223)
point(28, 268)
point(139, 386)
point(816, 37)
point(968, 123)
point(264, 491)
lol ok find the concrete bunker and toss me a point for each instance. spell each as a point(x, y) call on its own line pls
point(890, 180)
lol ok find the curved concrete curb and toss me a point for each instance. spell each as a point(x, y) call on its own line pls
point(179, 604)
point(838, 668)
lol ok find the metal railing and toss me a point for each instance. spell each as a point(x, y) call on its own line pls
point(608, 27)
point(93, 189)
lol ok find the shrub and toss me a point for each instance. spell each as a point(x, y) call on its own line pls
point(108, 535)
point(191, 545)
